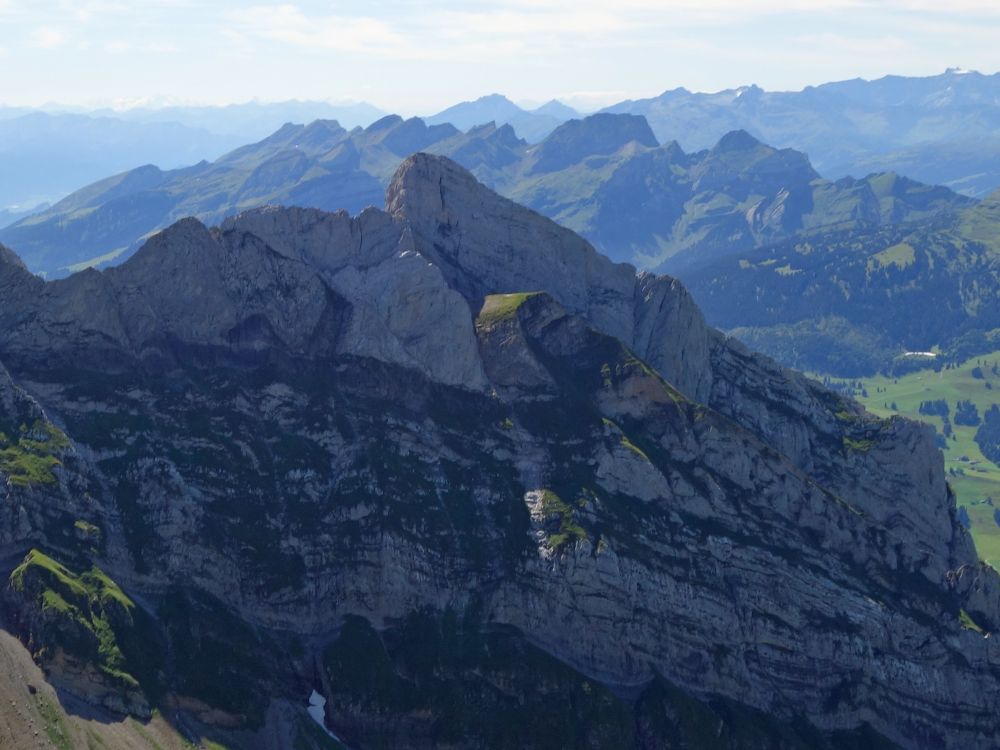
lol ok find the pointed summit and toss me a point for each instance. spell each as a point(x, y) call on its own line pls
point(465, 115)
point(555, 108)
point(453, 218)
point(320, 135)
point(386, 123)
point(736, 140)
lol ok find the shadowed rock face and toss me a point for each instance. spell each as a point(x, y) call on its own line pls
point(457, 405)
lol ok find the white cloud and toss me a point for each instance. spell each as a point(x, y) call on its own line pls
point(951, 8)
point(287, 23)
point(47, 37)
point(425, 37)
point(124, 47)
point(552, 22)
point(759, 7)
point(87, 11)
point(118, 47)
point(680, 11)
point(419, 54)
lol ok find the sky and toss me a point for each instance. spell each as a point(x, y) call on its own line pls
point(416, 57)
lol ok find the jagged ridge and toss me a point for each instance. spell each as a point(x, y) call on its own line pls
point(305, 416)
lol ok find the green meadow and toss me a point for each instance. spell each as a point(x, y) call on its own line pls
point(975, 480)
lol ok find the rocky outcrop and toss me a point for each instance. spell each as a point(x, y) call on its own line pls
point(454, 221)
point(456, 405)
point(85, 629)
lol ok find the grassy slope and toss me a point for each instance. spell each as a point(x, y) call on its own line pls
point(34, 715)
point(30, 457)
point(499, 307)
point(972, 476)
point(39, 720)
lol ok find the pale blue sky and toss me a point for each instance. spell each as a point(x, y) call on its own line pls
point(416, 57)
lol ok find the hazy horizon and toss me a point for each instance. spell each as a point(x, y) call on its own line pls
point(417, 58)
point(528, 104)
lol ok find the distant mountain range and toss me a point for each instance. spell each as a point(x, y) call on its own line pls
point(321, 165)
point(942, 129)
point(853, 301)
point(826, 275)
point(532, 125)
point(252, 120)
point(44, 156)
point(664, 209)
point(605, 176)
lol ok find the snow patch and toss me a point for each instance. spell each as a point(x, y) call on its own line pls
point(317, 704)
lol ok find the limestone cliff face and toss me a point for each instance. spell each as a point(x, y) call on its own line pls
point(457, 405)
point(451, 216)
point(455, 223)
point(44, 496)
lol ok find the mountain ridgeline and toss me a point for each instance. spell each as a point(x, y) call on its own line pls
point(531, 124)
point(44, 157)
point(938, 129)
point(827, 276)
point(853, 301)
point(941, 129)
point(473, 483)
point(605, 176)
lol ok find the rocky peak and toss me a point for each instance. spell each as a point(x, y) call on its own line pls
point(600, 134)
point(679, 92)
point(454, 218)
point(739, 165)
point(556, 108)
point(403, 137)
point(496, 100)
point(384, 123)
point(469, 113)
point(748, 94)
point(737, 140)
point(507, 136)
point(319, 135)
point(674, 153)
point(284, 133)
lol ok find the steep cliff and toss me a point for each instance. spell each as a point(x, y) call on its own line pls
point(364, 455)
